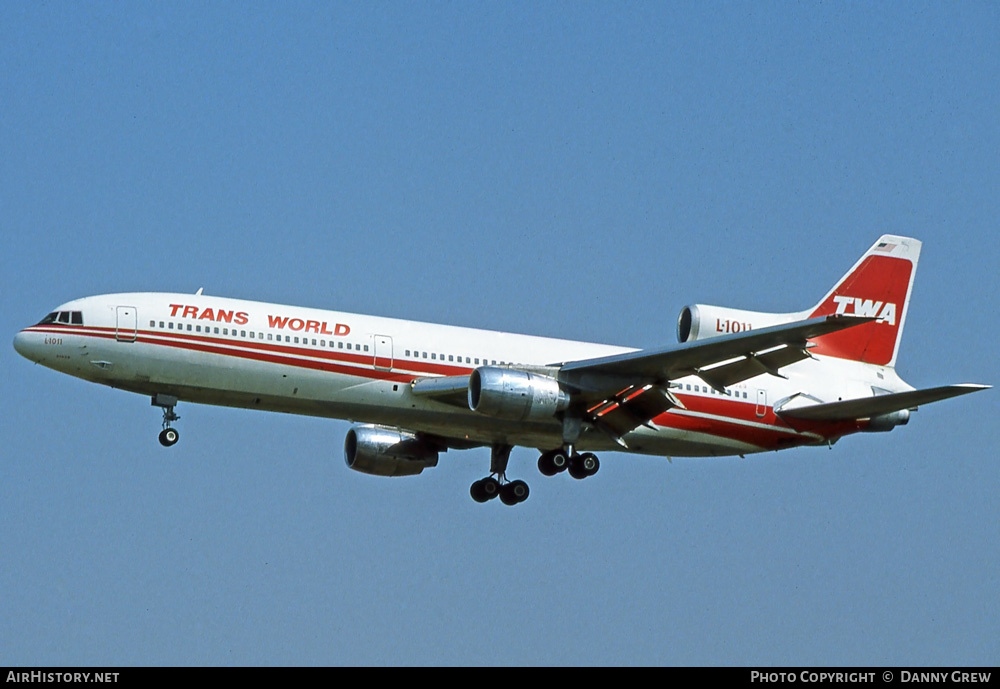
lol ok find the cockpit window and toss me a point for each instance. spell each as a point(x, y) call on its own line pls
point(68, 317)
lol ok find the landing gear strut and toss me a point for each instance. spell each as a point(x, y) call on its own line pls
point(168, 436)
point(510, 492)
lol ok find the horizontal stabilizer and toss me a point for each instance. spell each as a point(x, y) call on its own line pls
point(880, 404)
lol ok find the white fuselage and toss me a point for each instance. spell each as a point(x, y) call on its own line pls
point(214, 350)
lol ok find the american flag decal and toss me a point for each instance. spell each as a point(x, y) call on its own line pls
point(884, 246)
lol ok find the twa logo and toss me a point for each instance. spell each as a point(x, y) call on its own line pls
point(885, 312)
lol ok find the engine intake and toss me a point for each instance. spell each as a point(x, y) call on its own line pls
point(515, 395)
point(382, 451)
point(700, 321)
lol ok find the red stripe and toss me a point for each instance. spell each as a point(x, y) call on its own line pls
point(336, 362)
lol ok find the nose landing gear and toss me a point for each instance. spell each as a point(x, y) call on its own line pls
point(168, 436)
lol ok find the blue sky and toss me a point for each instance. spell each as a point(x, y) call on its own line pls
point(577, 170)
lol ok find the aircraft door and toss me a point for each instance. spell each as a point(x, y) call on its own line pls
point(761, 403)
point(127, 324)
point(383, 352)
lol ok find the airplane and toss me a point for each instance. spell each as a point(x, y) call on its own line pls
point(738, 382)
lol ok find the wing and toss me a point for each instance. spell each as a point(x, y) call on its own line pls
point(619, 393)
point(622, 392)
point(719, 361)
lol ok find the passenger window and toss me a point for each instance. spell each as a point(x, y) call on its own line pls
point(434, 356)
point(197, 328)
point(451, 357)
point(170, 325)
point(189, 327)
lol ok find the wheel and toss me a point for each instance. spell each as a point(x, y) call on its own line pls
point(514, 492)
point(484, 489)
point(491, 487)
point(168, 437)
point(590, 463)
point(576, 468)
point(560, 460)
point(477, 493)
point(546, 466)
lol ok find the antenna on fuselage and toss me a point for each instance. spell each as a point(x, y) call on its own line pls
point(200, 290)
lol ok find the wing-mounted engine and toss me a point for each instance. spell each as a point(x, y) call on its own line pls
point(701, 321)
point(383, 451)
point(515, 394)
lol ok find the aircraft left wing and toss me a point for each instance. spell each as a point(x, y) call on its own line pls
point(621, 392)
point(625, 391)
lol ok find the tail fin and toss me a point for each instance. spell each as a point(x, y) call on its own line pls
point(878, 285)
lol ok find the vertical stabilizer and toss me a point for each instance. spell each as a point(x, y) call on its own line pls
point(878, 285)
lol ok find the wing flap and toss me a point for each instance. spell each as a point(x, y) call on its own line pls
point(630, 408)
point(770, 361)
point(880, 404)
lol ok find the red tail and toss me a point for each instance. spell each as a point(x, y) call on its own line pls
point(878, 285)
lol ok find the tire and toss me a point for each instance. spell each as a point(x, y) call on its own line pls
point(514, 492)
point(169, 437)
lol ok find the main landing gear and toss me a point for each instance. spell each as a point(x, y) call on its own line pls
point(565, 458)
point(168, 436)
point(496, 484)
point(580, 466)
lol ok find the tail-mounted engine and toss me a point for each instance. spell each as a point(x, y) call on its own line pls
point(383, 451)
point(514, 394)
point(700, 321)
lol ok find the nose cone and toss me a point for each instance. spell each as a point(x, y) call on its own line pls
point(26, 346)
